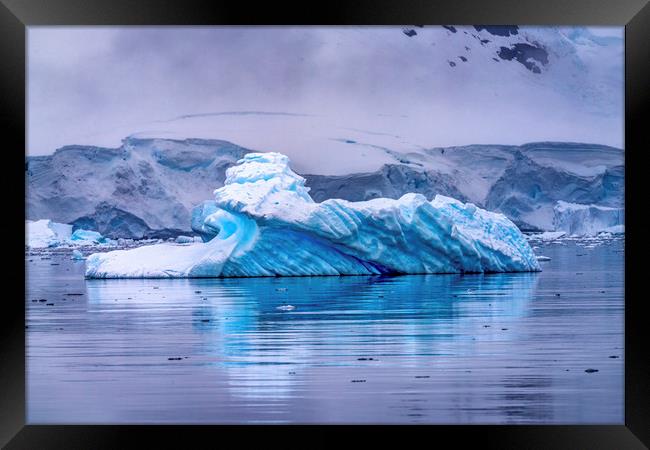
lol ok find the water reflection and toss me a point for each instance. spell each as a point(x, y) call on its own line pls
point(336, 321)
point(496, 348)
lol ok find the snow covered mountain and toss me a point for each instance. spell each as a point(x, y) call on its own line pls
point(148, 187)
point(307, 91)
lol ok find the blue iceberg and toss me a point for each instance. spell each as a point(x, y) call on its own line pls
point(87, 237)
point(264, 223)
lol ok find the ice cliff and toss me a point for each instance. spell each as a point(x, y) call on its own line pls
point(264, 223)
point(588, 220)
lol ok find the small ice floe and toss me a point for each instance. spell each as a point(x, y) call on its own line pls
point(546, 236)
point(543, 258)
point(286, 308)
point(281, 289)
point(77, 255)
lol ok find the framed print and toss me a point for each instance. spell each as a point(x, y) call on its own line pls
point(356, 215)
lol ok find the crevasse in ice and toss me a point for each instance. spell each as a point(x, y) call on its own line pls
point(264, 223)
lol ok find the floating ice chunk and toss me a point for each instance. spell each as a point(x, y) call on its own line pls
point(286, 308)
point(266, 224)
point(77, 255)
point(546, 236)
point(543, 258)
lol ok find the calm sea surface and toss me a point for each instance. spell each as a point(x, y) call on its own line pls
point(448, 349)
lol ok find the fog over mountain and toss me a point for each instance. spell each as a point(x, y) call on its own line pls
point(412, 87)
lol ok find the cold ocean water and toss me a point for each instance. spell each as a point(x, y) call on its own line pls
point(448, 349)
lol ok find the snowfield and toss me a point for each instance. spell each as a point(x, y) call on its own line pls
point(266, 224)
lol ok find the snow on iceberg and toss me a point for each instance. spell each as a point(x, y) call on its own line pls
point(587, 220)
point(266, 224)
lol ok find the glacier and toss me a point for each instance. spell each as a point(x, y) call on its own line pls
point(263, 222)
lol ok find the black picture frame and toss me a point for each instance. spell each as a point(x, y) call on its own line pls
point(16, 15)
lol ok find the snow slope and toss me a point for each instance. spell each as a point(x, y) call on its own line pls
point(269, 225)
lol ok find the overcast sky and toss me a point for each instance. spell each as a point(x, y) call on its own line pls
point(96, 85)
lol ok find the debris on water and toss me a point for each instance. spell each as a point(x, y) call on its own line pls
point(358, 381)
point(543, 258)
point(281, 289)
point(197, 292)
point(292, 373)
point(366, 359)
point(72, 293)
point(42, 300)
point(486, 326)
point(557, 295)
point(591, 370)
point(614, 356)
point(177, 358)
point(602, 292)
point(286, 308)
point(504, 329)
point(55, 264)
point(49, 304)
point(205, 320)
point(422, 376)
point(155, 287)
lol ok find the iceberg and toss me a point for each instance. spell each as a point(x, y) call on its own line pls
point(45, 233)
point(264, 223)
point(87, 237)
point(588, 220)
